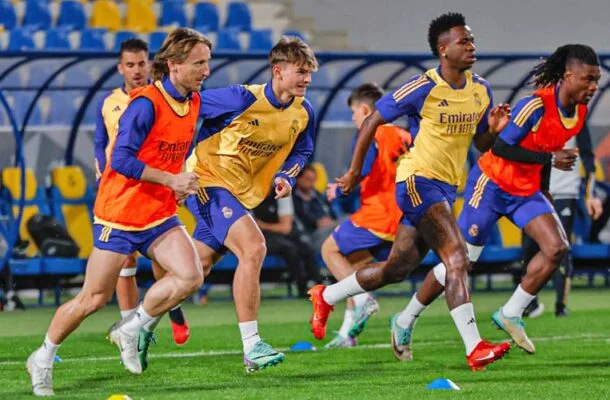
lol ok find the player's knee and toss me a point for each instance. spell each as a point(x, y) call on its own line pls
point(254, 254)
point(457, 262)
point(130, 261)
point(556, 250)
point(191, 282)
point(94, 302)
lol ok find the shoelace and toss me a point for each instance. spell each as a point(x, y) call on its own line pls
point(44, 377)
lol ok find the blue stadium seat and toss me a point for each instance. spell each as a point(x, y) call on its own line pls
point(261, 40)
point(172, 13)
point(206, 17)
point(21, 39)
point(121, 36)
point(239, 16)
point(72, 14)
point(90, 113)
point(93, 39)
point(62, 108)
point(156, 39)
point(8, 18)
point(57, 38)
point(21, 100)
point(37, 14)
point(228, 39)
point(298, 34)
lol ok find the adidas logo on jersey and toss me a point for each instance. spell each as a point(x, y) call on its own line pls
point(254, 122)
point(117, 108)
point(443, 103)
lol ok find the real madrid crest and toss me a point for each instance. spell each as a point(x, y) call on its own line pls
point(477, 99)
point(227, 212)
point(474, 230)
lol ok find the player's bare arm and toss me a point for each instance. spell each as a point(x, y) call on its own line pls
point(348, 182)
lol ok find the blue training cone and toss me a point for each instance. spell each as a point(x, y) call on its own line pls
point(302, 346)
point(443, 384)
point(57, 359)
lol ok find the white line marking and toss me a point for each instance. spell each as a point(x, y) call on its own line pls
point(212, 353)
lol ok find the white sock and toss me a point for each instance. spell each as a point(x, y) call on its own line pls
point(348, 321)
point(463, 316)
point(409, 315)
point(149, 327)
point(249, 335)
point(178, 306)
point(342, 290)
point(45, 355)
point(360, 299)
point(137, 321)
point(125, 313)
point(517, 303)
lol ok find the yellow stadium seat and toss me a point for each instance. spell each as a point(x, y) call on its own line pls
point(140, 16)
point(71, 205)
point(321, 177)
point(187, 219)
point(11, 181)
point(106, 14)
point(511, 235)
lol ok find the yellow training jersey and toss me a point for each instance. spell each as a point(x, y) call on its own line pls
point(442, 121)
point(109, 111)
point(248, 137)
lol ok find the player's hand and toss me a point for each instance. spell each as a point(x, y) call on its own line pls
point(181, 199)
point(348, 182)
point(184, 183)
point(499, 117)
point(565, 159)
point(548, 195)
point(282, 188)
point(594, 207)
point(331, 191)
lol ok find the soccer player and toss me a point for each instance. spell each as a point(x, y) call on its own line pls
point(135, 208)
point(135, 69)
point(248, 134)
point(447, 108)
point(368, 234)
point(512, 180)
point(565, 190)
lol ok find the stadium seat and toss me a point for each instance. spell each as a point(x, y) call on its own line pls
point(239, 16)
point(106, 14)
point(8, 18)
point(121, 36)
point(21, 39)
point(228, 39)
point(72, 14)
point(62, 108)
point(93, 39)
point(21, 102)
point(35, 200)
point(140, 16)
point(156, 39)
point(37, 15)
point(57, 38)
point(206, 17)
point(261, 40)
point(321, 177)
point(71, 205)
point(172, 13)
point(338, 110)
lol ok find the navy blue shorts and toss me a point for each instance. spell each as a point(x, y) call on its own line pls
point(485, 203)
point(416, 194)
point(351, 238)
point(215, 210)
point(126, 242)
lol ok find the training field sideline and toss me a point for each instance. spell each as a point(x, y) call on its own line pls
point(572, 357)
